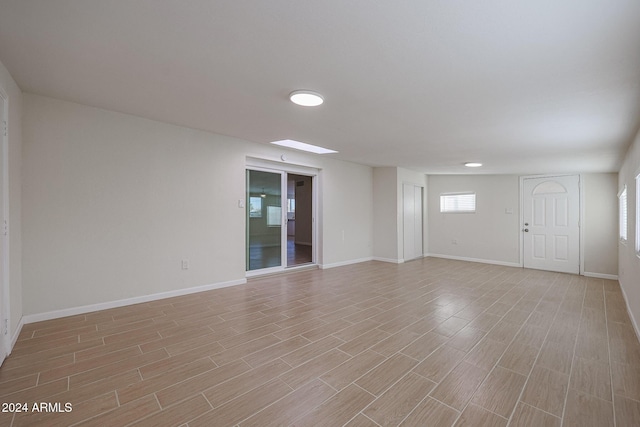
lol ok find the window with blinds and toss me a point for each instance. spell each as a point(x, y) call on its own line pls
point(458, 203)
point(623, 213)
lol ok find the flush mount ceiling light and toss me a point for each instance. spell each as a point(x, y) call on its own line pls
point(306, 98)
point(303, 146)
point(473, 164)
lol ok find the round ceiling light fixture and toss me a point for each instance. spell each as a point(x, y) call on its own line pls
point(473, 164)
point(306, 98)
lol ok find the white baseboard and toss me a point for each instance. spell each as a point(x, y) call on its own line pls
point(630, 313)
point(31, 318)
point(391, 260)
point(343, 263)
point(16, 334)
point(264, 272)
point(483, 261)
point(279, 270)
point(600, 275)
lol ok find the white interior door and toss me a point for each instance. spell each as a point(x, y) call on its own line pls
point(551, 223)
point(412, 221)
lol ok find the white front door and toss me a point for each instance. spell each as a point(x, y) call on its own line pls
point(551, 223)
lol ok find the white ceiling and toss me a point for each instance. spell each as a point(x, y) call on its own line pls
point(524, 87)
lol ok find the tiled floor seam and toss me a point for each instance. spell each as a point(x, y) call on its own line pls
point(418, 360)
point(329, 385)
point(374, 399)
point(573, 355)
point(606, 322)
point(441, 402)
point(205, 398)
point(116, 392)
point(519, 400)
point(386, 389)
point(414, 408)
point(193, 395)
point(496, 365)
point(537, 409)
point(161, 409)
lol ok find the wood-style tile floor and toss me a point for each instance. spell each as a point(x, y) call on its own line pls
point(428, 343)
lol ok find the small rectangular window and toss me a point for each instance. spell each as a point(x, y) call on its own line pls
point(460, 202)
point(623, 213)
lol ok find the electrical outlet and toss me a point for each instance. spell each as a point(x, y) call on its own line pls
point(454, 241)
point(185, 264)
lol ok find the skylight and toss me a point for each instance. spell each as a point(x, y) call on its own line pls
point(303, 146)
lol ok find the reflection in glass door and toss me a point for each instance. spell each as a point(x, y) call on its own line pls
point(264, 220)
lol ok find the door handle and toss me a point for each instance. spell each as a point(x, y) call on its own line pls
point(526, 230)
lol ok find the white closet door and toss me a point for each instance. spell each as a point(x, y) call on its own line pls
point(417, 231)
point(412, 221)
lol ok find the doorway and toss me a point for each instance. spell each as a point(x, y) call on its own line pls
point(551, 223)
point(280, 230)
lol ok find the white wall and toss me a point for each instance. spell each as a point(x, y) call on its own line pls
point(112, 203)
point(600, 224)
point(346, 209)
point(14, 128)
point(385, 214)
point(492, 235)
point(628, 261)
point(388, 211)
point(489, 234)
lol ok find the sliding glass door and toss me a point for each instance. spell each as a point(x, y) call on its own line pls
point(264, 219)
point(280, 220)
